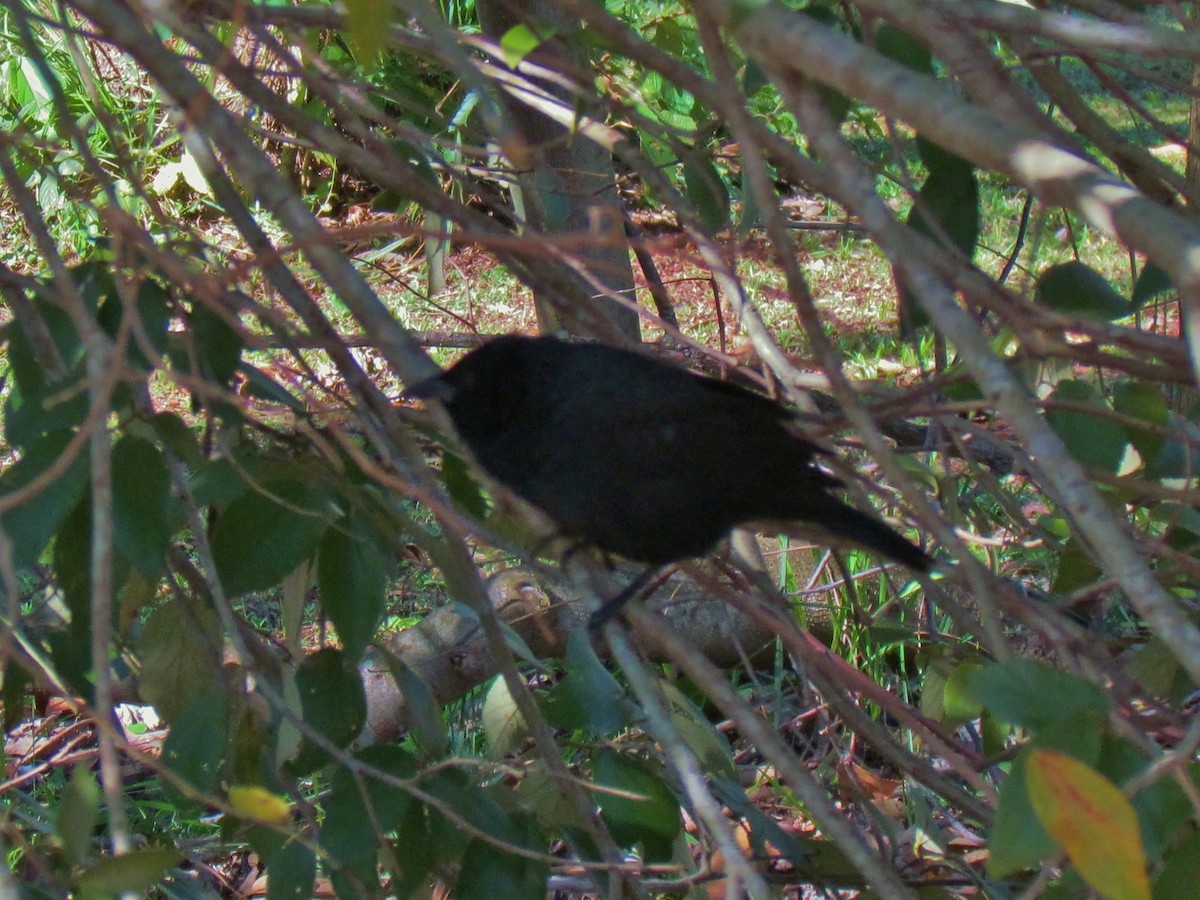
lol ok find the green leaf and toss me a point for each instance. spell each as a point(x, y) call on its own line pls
point(143, 511)
point(1163, 809)
point(753, 78)
point(423, 710)
point(1094, 440)
point(1151, 282)
point(1178, 456)
point(763, 829)
point(1145, 402)
point(710, 747)
point(94, 278)
point(1073, 289)
point(489, 872)
point(179, 650)
point(462, 487)
point(1157, 669)
point(178, 438)
point(707, 192)
point(334, 704)
point(741, 11)
point(503, 725)
point(291, 865)
point(349, 880)
point(134, 872)
point(353, 580)
point(458, 792)
point(949, 197)
point(53, 406)
point(14, 689)
point(659, 153)
point(542, 793)
point(195, 749)
point(945, 208)
point(750, 216)
point(30, 524)
point(417, 156)
point(71, 653)
point(994, 732)
point(1017, 841)
point(216, 344)
point(291, 871)
point(1077, 734)
point(72, 560)
point(262, 387)
point(356, 802)
point(152, 307)
point(897, 45)
point(1180, 873)
point(643, 812)
point(1033, 695)
point(78, 813)
point(1077, 568)
point(1183, 523)
point(448, 841)
point(960, 386)
point(942, 162)
point(588, 696)
point(946, 694)
point(519, 41)
point(267, 532)
point(369, 23)
point(29, 365)
point(218, 482)
point(668, 36)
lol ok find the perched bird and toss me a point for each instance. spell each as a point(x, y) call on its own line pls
point(640, 458)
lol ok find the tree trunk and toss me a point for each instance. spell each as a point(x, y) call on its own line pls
point(568, 183)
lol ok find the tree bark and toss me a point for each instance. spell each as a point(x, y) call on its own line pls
point(567, 182)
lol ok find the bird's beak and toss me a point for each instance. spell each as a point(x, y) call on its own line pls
point(435, 388)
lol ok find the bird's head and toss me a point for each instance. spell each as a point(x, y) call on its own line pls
point(485, 389)
point(473, 374)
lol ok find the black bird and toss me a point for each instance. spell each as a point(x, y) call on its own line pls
point(640, 458)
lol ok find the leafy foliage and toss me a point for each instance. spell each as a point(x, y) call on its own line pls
point(201, 439)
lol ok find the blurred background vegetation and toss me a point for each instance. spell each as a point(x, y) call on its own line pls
point(267, 632)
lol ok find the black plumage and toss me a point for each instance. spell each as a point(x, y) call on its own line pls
point(640, 458)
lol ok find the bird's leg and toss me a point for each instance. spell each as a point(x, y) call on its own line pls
point(611, 608)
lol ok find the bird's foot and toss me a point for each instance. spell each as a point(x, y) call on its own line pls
point(609, 609)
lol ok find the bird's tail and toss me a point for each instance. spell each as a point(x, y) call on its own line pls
point(841, 522)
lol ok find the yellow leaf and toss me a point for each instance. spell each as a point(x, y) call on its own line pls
point(1092, 821)
point(251, 802)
